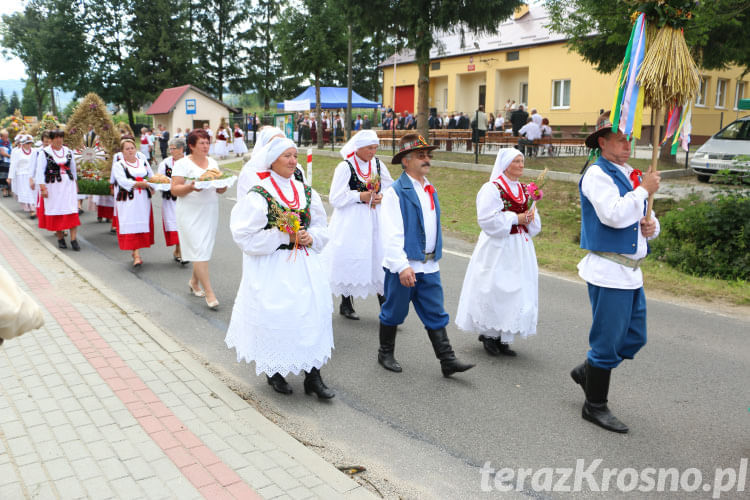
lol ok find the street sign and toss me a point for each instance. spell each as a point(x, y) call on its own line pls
point(190, 106)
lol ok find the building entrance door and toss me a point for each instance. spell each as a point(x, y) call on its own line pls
point(482, 94)
point(404, 99)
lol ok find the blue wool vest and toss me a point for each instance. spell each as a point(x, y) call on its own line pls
point(411, 213)
point(595, 235)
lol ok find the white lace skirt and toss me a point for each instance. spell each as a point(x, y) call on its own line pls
point(282, 314)
point(500, 294)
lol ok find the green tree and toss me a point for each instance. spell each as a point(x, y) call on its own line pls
point(219, 23)
point(3, 104)
point(161, 46)
point(29, 104)
point(14, 103)
point(20, 33)
point(599, 31)
point(311, 42)
point(417, 24)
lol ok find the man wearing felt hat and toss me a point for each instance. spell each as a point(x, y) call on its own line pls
point(615, 230)
point(412, 245)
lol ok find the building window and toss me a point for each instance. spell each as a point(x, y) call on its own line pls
point(739, 94)
point(435, 66)
point(721, 93)
point(512, 56)
point(700, 99)
point(561, 93)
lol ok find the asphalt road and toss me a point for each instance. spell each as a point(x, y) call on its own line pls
point(686, 396)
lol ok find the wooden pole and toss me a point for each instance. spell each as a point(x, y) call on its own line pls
point(657, 119)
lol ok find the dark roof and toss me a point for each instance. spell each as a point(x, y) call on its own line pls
point(168, 98)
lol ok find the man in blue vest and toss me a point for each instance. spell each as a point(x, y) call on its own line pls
point(412, 244)
point(615, 230)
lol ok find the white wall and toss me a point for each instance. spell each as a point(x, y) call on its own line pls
point(467, 91)
point(508, 85)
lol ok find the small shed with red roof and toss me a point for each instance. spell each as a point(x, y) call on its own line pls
point(188, 107)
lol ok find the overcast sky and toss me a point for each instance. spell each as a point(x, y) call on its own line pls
point(12, 69)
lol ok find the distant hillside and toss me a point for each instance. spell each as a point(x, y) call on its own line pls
point(9, 86)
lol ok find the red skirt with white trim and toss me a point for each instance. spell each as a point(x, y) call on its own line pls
point(135, 241)
point(105, 212)
point(61, 222)
point(171, 237)
point(40, 217)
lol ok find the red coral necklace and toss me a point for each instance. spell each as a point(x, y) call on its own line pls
point(369, 168)
point(294, 203)
point(520, 198)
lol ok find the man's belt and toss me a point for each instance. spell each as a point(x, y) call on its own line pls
point(620, 259)
point(428, 256)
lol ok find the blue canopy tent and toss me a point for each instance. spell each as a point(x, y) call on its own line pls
point(333, 98)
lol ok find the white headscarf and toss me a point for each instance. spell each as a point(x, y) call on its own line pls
point(264, 137)
point(504, 158)
point(361, 139)
point(274, 149)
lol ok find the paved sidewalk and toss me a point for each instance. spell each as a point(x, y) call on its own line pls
point(100, 403)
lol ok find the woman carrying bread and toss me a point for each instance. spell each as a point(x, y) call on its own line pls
point(135, 218)
point(197, 212)
point(169, 201)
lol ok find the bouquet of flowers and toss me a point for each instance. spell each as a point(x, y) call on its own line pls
point(288, 222)
point(534, 191)
point(373, 185)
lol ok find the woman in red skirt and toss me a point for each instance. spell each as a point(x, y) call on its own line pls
point(135, 218)
point(56, 177)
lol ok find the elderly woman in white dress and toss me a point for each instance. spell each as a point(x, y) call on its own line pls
point(20, 175)
point(282, 314)
point(197, 214)
point(500, 295)
point(135, 217)
point(253, 171)
point(355, 253)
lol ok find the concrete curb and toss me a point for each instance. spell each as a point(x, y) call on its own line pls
point(551, 174)
point(313, 462)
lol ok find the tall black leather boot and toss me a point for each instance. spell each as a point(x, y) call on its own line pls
point(578, 374)
point(314, 383)
point(444, 352)
point(346, 309)
point(387, 347)
point(595, 408)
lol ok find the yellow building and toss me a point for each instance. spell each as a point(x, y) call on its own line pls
point(527, 63)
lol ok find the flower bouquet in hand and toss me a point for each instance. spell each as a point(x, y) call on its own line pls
point(373, 186)
point(534, 191)
point(288, 222)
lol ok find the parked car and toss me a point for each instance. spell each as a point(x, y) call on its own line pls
point(728, 149)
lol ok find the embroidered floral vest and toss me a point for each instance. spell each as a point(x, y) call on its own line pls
point(511, 205)
point(304, 214)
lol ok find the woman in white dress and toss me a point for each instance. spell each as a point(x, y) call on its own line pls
point(197, 214)
point(146, 146)
point(500, 295)
point(135, 217)
point(19, 176)
point(238, 143)
point(58, 191)
point(169, 201)
point(354, 253)
point(253, 170)
point(282, 314)
point(221, 147)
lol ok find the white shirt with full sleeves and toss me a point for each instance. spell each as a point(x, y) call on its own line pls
point(62, 197)
point(282, 313)
point(354, 255)
point(500, 293)
point(133, 214)
point(618, 212)
point(392, 231)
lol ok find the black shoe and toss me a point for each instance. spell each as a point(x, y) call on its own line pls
point(313, 383)
point(381, 300)
point(98, 219)
point(444, 352)
point(279, 384)
point(504, 348)
point(595, 408)
point(74, 245)
point(578, 374)
point(346, 309)
point(113, 230)
point(490, 345)
point(387, 347)
point(61, 243)
point(80, 211)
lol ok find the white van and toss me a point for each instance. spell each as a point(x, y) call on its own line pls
point(728, 149)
